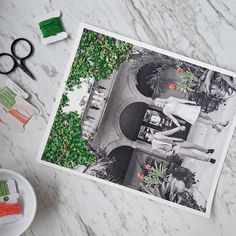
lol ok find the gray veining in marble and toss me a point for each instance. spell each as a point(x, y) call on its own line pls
point(71, 205)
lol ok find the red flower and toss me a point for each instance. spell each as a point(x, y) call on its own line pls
point(180, 70)
point(172, 85)
point(140, 175)
point(148, 167)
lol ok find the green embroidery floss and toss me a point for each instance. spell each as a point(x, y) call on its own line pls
point(7, 98)
point(51, 28)
point(3, 188)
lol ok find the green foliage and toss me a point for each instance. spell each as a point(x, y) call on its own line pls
point(156, 174)
point(187, 83)
point(188, 200)
point(65, 146)
point(98, 55)
point(182, 173)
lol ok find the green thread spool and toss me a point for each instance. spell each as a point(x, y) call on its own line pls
point(7, 98)
point(6, 198)
point(3, 188)
point(51, 27)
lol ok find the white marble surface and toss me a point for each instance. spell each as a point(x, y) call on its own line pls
point(70, 205)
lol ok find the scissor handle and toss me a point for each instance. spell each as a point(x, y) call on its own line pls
point(13, 47)
point(13, 66)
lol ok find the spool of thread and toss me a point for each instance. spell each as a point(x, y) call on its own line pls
point(3, 188)
point(51, 28)
point(7, 98)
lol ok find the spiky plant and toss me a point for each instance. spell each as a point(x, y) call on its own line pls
point(155, 175)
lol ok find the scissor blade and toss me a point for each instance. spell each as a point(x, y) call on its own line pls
point(23, 67)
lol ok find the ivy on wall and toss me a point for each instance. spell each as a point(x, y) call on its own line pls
point(97, 57)
point(65, 146)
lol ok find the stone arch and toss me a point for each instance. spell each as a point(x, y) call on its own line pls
point(122, 141)
point(132, 83)
point(131, 119)
point(120, 109)
point(152, 62)
point(122, 156)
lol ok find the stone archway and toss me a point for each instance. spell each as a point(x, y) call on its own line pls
point(143, 69)
point(122, 106)
point(122, 156)
point(144, 79)
point(121, 141)
point(131, 119)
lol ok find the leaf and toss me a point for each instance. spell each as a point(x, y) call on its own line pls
point(155, 175)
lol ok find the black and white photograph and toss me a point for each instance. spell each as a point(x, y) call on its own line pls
point(142, 119)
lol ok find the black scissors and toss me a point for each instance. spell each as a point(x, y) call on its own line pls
point(18, 61)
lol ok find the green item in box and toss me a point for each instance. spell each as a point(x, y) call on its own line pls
point(7, 98)
point(3, 188)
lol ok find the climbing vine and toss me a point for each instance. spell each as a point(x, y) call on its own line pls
point(97, 57)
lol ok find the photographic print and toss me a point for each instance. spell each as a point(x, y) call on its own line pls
point(142, 119)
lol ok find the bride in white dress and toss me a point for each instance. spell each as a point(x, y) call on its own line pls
point(186, 110)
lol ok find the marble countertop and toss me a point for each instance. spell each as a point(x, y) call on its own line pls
point(71, 205)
